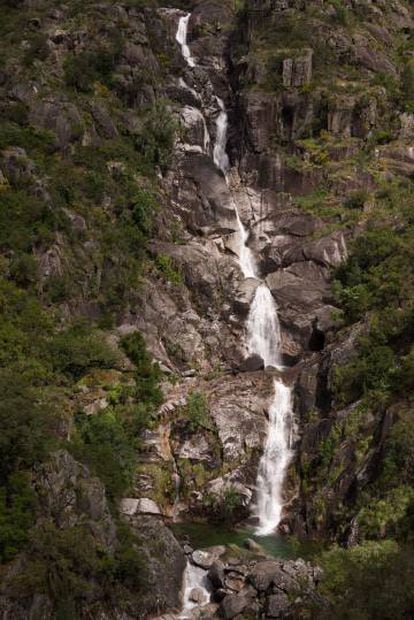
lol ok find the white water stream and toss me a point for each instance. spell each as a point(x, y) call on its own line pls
point(195, 581)
point(264, 339)
point(181, 38)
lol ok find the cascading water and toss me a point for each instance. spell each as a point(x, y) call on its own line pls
point(219, 154)
point(263, 329)
point(195, 579)
point(181, 38)
point(275, 460)
point(264, 339)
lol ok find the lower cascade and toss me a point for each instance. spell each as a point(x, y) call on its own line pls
point(195, 589)
point(275, 460)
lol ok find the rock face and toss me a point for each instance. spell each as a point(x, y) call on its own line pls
point(312, 127)
point(293, 144)
point(73, 500)
point(165, 561)
point(254, 587)
point(272, 589)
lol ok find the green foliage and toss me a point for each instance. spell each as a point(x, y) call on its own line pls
point(108, 441)
point(78, 348)
point(356, 199)
point(29, 138)
point(165, 265)
point(224, 508)
point(197, 411)
point(17, 504)
point(68, 566)
point(155, 139)
point(379, 517)
point(373, 580)
point(399, 455)
point(82, 70)
point(38, 49)
point(143, 208)
point(372, 370)
point(377, 279)
point(147, 374)
point(341, 12)
point(129, 567)
point(105, 446)
point(25, 222)
point(407, 85)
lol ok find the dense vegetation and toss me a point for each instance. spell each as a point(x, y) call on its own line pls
point(75, 217)
point(79, 201)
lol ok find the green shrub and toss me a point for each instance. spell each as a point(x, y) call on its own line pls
point(38, 49)
point(379, 517)
point(197, 411)
point(24, 270)
point(26, 422)
point(31, 139)
point(356, 199)
point(17, 505)
point(341, 12)
point(82, 70)
point(147, 374)
point(25, 221)
point(373, 369)
point(104, 445)
point(155, 140)
point(373, 580)
point(79, 348)
point(143, 209)
point(165, 265)
point(407, 85)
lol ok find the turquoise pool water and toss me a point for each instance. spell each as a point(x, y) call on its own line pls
point(201, 535)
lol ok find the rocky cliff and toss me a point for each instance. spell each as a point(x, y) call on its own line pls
point(123, 298)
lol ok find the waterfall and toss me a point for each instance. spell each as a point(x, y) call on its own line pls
point(263, 329)
point(181, 38)
point(195, 589)
point(264, 339)
point(246, 258)
point(275, 460)
point(219, 155)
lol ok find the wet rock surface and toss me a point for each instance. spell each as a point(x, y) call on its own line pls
point(259, 588)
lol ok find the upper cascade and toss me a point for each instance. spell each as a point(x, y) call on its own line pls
point(181, 38)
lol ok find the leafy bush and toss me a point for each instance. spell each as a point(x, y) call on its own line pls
point(165, 265)
point(38, 49)
point(155, 140)
point(26, 422)
point(78, 348)
point(197, 411)
point(84, 69)
point(105, 446)
point(373, 580)
point(373, 369)
point(407, 85)
point(17, 505)
point(25, 221)
point(224, 508)
point(147, 374)
point(356, 199)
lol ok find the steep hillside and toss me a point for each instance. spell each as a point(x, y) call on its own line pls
point(133, 181)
